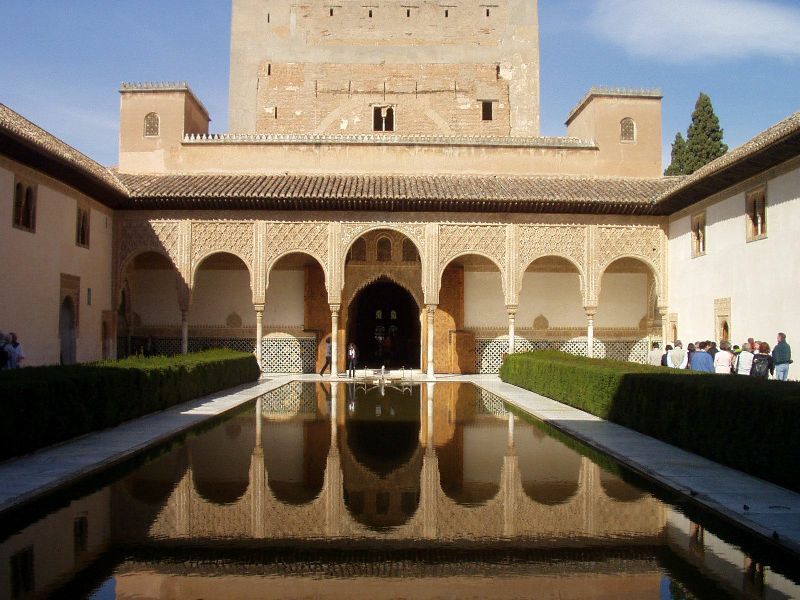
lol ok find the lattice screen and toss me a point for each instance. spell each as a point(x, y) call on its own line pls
point(288, 354)
point(170, 346)
point(489, 351)
point(489, 404)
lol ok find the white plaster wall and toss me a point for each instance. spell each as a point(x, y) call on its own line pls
point(622, 301)
point(762, 278)
point(218, 293)
point(33, 263)
point(285, 304)
point(484, 304)
point(543, 458)
point(154, 296)
point(557, 296)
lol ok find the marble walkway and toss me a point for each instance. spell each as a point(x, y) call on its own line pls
point(766, 509)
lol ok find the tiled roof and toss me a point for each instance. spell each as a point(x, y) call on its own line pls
point(397, 192)
point(14, 127)
point(769, 148)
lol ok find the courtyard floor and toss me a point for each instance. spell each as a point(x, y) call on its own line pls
point(763, 508)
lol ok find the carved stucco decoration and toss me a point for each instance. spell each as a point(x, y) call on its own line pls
point(538, 241)
point(486, 240)
point(235, 237)
point(285, 238)
point(408, 279)
point(142, 235)
point(644, 243)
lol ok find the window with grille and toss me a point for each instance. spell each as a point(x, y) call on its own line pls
point(756, 206)
point(627, 131)
point(152, 125)
point(384, 249)
point(699, 235)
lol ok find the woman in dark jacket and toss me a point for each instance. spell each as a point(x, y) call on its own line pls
point(763, 363)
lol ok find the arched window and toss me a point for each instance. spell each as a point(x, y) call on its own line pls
point(627, 130)
point(359, 250)
point(152, 125)
point(24, 206)
point(384, 249)
point(410, 253)
point(82, 228)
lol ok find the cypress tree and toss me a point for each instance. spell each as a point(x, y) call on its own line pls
point(678, 164)
point(704, 138)
point(703, 141)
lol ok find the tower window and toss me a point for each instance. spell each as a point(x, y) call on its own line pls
point(267, 17)
point(370, 13)
point(486, 110)
point(330, 12)
point(627, 130)
point(446, 13)
point(80, 535)
point(269, 69)
point(22, 580)
point(487, 12)
point(152, 125)
point(408, 12)
point(382, 118)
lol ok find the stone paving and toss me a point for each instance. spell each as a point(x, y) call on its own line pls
point(762, 507)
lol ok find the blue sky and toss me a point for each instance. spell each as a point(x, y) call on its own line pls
point(64, 72)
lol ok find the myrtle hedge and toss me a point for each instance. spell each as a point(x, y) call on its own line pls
point(46, 405)
point(746, 423)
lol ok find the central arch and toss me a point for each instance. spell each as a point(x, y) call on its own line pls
point(384, 323)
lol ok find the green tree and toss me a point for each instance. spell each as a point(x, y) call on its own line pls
point(703, 140)
point(678, 164)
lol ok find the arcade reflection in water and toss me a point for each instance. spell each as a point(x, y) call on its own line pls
point(442, 466)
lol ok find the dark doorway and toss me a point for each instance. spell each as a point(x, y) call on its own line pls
point(383, 322)
point(66, 331)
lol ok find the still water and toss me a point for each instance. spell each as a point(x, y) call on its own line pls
point(362, 491)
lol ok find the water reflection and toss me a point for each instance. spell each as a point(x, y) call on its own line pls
point(442, 467)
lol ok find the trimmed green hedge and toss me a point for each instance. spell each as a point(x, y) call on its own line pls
point(746, 423)
point(46, 405)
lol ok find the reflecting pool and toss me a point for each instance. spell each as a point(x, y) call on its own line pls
point(377, 491)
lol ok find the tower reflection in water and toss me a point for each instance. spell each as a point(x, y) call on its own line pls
point(327, 472)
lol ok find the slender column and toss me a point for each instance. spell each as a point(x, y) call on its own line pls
point(431, 330)
point(259, 419)
point(334, 340)
point(512, 316)
point(185, 331)
point(259, 330)
point(590, 313)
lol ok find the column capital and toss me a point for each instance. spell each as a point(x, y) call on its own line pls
point(662, 310)
point(431, 307)
point(259, 308)
point(335, 307)
point(512, 309)
point(590, 311)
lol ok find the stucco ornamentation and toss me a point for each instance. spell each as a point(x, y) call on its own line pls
point(487, 240)
point(311, 238)
point(235, 237)
point(137, 236)
point(538, 241)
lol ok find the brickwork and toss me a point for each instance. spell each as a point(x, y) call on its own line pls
point(340, 99)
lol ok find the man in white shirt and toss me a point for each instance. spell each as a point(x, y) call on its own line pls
point(678, 358)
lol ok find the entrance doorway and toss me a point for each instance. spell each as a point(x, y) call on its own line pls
point(383, 322)
point(66, 331)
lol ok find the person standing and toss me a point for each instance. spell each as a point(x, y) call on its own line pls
point(723, 359)
point(744, 361)
point(678, 358)
point(702, 360)
point(327, 356)
point(16, 353)
point(654, 356)
point(352, 359)
point(763, 364)
point(781, 354)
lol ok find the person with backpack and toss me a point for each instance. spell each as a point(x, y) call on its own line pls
point(665, 356)
point(763, 364)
